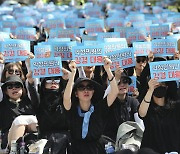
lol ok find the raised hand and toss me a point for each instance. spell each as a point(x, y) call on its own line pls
point(107, 63)
point(153, 83)
point(72, 66)
point(118, 73)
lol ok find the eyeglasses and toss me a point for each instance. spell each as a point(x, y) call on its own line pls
point(138, 60)
point(14, 85)
point(51, 81)
point(87, 87)
point(11, 71)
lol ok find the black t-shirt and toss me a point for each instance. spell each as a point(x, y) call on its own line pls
point(162, 128)
point(119, 112)
point(90, 144)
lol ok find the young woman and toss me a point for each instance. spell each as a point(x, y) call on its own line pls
point(160, 111)
point(86, 110)
point(15, 104)
point(9, 70)
point(49, 110)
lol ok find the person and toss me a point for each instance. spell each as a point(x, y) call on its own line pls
point(160, 112)
point(124, 108)
point(12, 69)
point(86, 110)
point(49, 109)
point(15, 103)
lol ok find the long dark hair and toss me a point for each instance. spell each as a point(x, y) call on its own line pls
point(171, 97)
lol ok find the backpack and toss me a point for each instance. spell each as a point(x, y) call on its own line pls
point(129, 136)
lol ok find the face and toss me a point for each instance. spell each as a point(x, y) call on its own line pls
point(89, 68)
point(85, 91)
point(140, 63)
point(123, 87)
point(52, 83)
point(13, 71)
point(14, 90)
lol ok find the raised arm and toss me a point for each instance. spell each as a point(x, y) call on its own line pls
point(69, 86)
point(114, 89)
point(144, 106)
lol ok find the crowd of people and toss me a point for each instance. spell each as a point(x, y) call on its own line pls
point(80, 112)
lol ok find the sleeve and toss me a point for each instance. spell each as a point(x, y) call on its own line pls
point(34, 96)
point(135, 105)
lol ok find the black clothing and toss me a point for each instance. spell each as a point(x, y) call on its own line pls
point(90, 144)
point(119, 112)
point(162, 128)
point(49, 111)
point(9, 111)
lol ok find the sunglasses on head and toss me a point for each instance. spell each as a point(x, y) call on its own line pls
point(11, 71)
point(53, 81)
point(138, 60)
point(14, 85)
point(88, 87)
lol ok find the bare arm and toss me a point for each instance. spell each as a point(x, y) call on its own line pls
point(69, 86)
point(144, 106)
point(114, 89)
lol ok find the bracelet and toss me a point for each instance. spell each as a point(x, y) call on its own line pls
point(146, 101)
point(111, 79)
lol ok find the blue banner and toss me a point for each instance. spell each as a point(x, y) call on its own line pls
point(94, 26)
point(164, 47)
point(165, 70)
point(88, 55)
point(63, 49)
point(101, 36)
point(132, 86)
point(113, 46)
point(142, 48)
point(122, 58)
point(46, 67)
point(159, 31)
point(25, 33)
point(43, 51)
point(133, 34)
point(15, 50)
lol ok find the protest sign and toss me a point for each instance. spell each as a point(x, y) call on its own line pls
point(165, 70)
point(164, 47)
point(64, 33)
point(132, 86)
point(94, 26)
point(141, 48)
point(25, 33)
point(158, 31)
point(88, 55)
point(63, 49)
point(54, 23)
point(43, 51)
point(89, 38)
point(114, 22)
point(122, 58)
point(145, 24)
point(46, 67)
point(101, 36)
point(113, 46)
point(15, 50)
point(122, 31)
point(135, 17)
point(133, 34)
point(90, 43)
